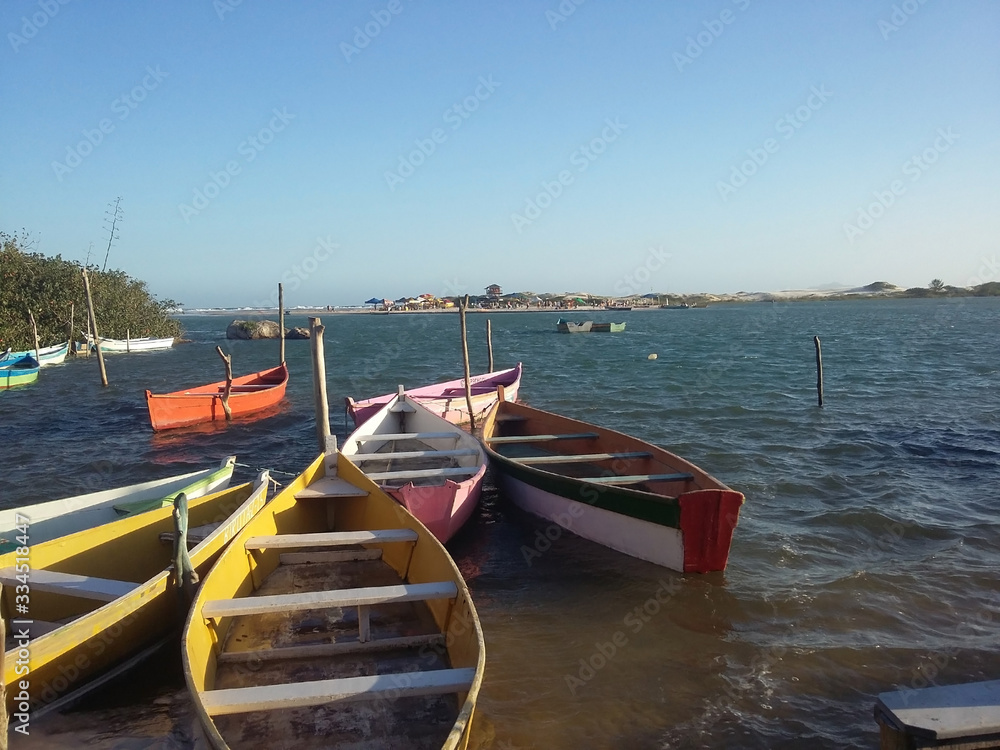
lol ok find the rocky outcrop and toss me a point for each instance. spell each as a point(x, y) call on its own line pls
point(297, 333)
point(253, 329)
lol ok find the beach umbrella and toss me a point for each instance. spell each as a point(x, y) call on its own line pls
point(374, 301)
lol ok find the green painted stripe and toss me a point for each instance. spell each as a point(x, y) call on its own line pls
point(645, 506)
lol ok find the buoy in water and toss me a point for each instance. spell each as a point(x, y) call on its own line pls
point(651, 356)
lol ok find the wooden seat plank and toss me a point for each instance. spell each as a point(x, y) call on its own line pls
point(300, 694)
point(458, 471)
point(360, 457)
point(541, 438)
point(330, 488)
point(580, 458)
point(331, 539)
point(637, 478)
point(407, 436)
point(195, 535)
point(256, 605)
point(85, 587)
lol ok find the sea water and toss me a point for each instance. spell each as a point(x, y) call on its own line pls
point(866, 558)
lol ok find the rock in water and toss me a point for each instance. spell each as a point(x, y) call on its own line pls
point(253, 329)
point(297, 333)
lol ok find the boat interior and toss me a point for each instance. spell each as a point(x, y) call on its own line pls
point(335, 619)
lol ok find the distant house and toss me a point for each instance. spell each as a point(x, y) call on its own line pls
point(494, 292)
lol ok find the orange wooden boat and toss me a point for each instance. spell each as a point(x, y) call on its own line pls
point(249, 394)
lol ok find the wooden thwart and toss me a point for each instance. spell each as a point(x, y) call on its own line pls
point(331, 539)
point(637, 478)
point(580, 458)
point(194, 536)
point(360, 457)
point(296, 695)
point(458, 471)
point(407, 436)
point(360, 597)
point(85, 587)
point(540, 438)
point(330, 487)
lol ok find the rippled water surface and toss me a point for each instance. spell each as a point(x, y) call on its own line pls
point(866, 558)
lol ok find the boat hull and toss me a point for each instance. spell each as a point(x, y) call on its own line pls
point(662, 545)
point(99, 638)
point(17, 372)
point(48, 355)
point(115, 346)
point(250, 394)
point(69, 515)
point(661, 502)
point(447, 399)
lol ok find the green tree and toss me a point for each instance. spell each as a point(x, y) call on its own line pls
point(48, 286)
point(937, 286)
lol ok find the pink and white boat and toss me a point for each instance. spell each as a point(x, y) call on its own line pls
point(432, 467)
point(447, 400)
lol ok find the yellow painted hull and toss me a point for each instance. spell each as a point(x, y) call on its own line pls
point(238, 573)
point(96, 637)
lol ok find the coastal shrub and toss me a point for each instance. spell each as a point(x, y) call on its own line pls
point(49, 285)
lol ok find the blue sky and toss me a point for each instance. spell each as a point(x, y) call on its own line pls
point(359, 149)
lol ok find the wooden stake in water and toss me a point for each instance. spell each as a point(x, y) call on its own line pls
point(228, 359)
point(93, 327)
point(316, 329)
point(281, 319)
point(34, 332)
point(489, 343)
point(819, 369)
point(128, 341)
point(69, 336)
point(463, 306)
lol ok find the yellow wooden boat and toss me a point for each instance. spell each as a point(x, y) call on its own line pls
point(81, 608)
point(335, 619)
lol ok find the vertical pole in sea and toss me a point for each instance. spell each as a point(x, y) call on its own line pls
point(462, 307)
point(316, 329)
point(819, 369)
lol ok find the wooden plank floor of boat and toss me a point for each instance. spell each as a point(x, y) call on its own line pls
point(381, 722)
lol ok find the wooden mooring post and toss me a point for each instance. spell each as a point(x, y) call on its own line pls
point(70, 347)
point(819, 369)
point(281, 320)
point(228, 360)
point(316, 329)
point(34, 333)
point(463, 306)
point(93, 327)
point(489, 343)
